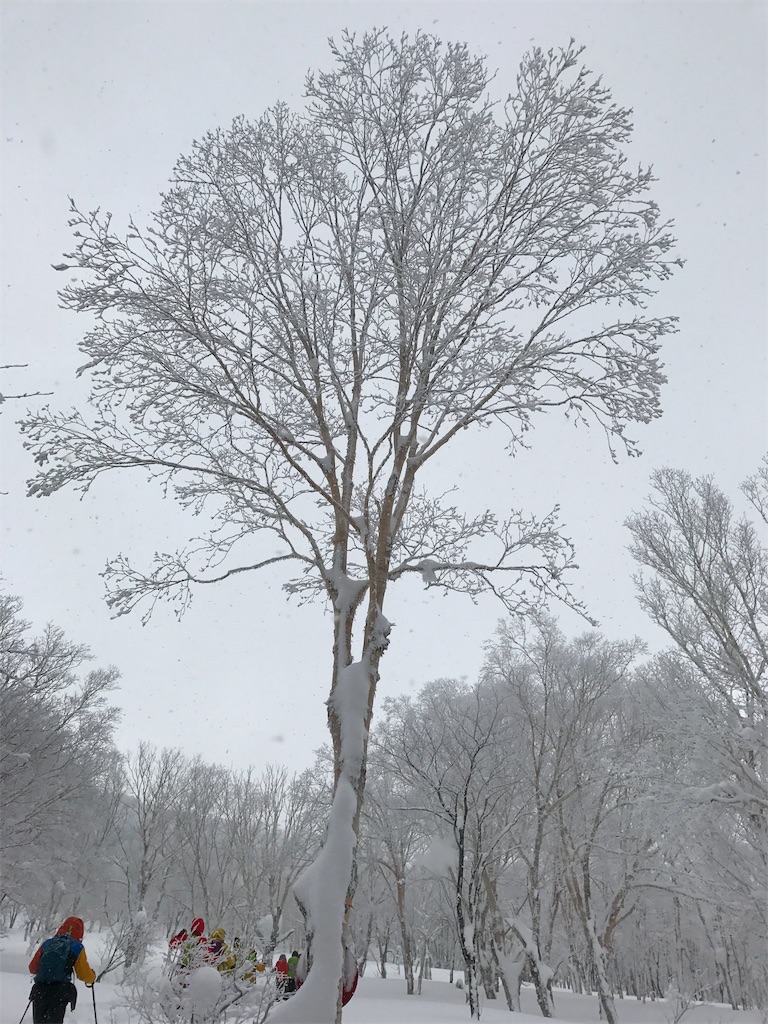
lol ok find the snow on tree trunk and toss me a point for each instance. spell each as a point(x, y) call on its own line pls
point(405, 937)
point(501, 959)
point(325, 889)
point(541, 973)
point(468, 951)
point(322, 893)
point(511, 972)
point(604, 993)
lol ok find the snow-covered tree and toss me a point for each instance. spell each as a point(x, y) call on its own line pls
point(582, 839)
point(55, 753)
point(707, 587)
point(146, 844)
point(289, 838)
point(447, 746)
point(322, 304)
point(206, 855)
point(394, 836)
point(244, 825)
point(708, 590)
point(590, 812)
point(523, 660)
point(713, 912)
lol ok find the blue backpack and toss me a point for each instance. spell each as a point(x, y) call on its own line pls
point(58, 959)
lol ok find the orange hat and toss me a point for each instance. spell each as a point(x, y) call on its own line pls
point(73, 926)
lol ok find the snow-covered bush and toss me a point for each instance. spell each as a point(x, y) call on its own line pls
point(166, 993)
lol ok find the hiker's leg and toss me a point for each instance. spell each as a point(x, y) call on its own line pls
point(50, 1004)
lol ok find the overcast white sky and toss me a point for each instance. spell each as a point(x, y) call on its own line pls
point(99, 99)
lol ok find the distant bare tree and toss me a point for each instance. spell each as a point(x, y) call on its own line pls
point(565, 697)
point(393, 838)
point(708, 590)
point(323, 302)
point(445, 746)
point(707, 587)
point(147, 851)
point(56, 752)
point(207, 857)
point(289, 839)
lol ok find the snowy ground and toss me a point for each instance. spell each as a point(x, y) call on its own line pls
point(377, 1000)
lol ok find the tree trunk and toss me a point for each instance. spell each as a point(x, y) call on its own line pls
point(511, 978)
point(467, 944)
point(405, 937)
point(542, 985)
point(423, 963)
point(321, 894)
point(604, 994)
point(541, 975)
point(325, 890)
point(509, 971)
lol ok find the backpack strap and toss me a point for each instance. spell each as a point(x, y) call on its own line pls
point(75, 949)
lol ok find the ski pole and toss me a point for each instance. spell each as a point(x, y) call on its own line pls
point(25, 1011)
point(93, 994)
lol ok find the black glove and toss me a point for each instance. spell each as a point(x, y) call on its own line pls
point(72, 996)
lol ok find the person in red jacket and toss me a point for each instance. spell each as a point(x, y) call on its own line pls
point(52, 966)
point(281, 975)
point(178, 938)
point(196, 928)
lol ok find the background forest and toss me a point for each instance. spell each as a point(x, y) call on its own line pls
point(584, 813)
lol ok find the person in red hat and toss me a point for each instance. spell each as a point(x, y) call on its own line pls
point(197, 928)
point(52, 966)
point(192, 946)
